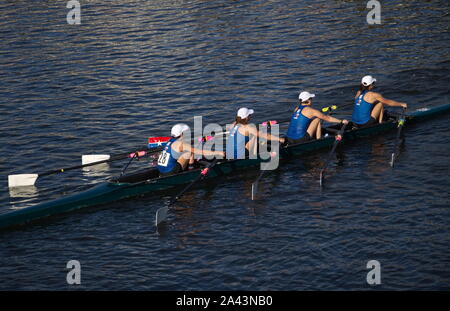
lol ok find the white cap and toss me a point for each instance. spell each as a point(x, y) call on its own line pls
point(178, 129)
point(368, 80)
point(243, 113)
point(304, 96)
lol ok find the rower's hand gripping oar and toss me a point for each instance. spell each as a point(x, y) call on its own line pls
point(330, 155)
point(20, 180)
point(401, 123)
point(161, 213)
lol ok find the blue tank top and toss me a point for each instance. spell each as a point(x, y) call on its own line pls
point(236, 144)
point(299, 124)
point(362, 110)
point(168, 158)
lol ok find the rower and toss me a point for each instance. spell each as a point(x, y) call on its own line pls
point(242, 138)
point(305, 121)
point(369, 105)
point(177, 154)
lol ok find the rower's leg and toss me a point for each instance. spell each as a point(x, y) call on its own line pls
point(252, 147)
point(314, 129)
point(381, 114)
point(319, 131)
point(184, 160)
point(377, 112)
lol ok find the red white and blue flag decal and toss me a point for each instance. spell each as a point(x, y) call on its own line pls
point(155, 142)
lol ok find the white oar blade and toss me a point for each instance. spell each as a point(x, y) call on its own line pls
point(21, 180)
point(91, 158)
point(161, 215)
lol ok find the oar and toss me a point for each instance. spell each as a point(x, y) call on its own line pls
point(161, 213)
point(136, 155)
point(330, 155)
point(401, 123)
point(153, 142)
point(255, 183)
point(334, 107)
point(20, 180)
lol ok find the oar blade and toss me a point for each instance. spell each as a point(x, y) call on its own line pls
point(21, 180)
point(401, 124)
point(161, 215)
point(321, 178)
point(91, 158)
point(254, 189)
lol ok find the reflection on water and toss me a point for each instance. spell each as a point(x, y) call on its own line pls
point(22, 197)
point(23, 192)
point(96, 170)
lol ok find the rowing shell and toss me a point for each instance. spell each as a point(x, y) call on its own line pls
point(147, 181)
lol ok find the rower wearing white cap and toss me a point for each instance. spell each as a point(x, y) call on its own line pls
point(305, 121)
point(242, 137)
point(368, 108)
point(178, 154)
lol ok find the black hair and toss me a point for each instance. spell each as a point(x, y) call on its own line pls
point(363, 88)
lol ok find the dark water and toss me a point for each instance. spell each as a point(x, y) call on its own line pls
point(134, 68)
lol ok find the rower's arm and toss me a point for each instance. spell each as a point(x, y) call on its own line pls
point(265, 136)
point(188, 148)
point(388, 102)
point(325, 117)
